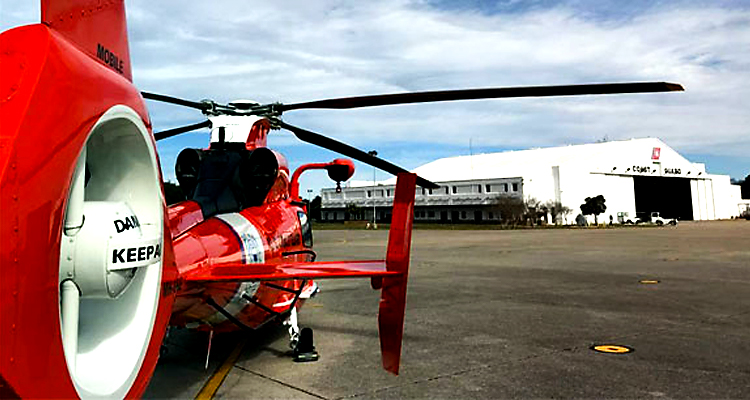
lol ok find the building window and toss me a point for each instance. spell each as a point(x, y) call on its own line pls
point(388, 192)
point(491, 215)
point(454, 190)
point(354, 194)
point(479, 188)
point(505, 187)
point(430, 191)
point(447, 190)
point(424, 191)
point(463, 214)
point(431, 214)
point(487, 188)
point(515, 187)
point(369, 193)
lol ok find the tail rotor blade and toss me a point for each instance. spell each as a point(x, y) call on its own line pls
point(349, 151)
point(487, 93)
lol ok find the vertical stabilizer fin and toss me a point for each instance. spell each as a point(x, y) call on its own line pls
point(98, 27)
point(393, 295)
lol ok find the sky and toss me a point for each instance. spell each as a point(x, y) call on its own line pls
point(293, 51)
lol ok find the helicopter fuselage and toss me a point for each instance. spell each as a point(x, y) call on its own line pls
point(270, 233)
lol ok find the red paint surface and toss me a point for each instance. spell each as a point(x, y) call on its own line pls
point(258, 134)
point(90, 24)
point(213, 245)
point(393, 293)
point(183, 216)
point(343, 163)
point(270, 272)
point(47, 112)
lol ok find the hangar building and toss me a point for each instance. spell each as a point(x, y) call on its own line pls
point(634, 176)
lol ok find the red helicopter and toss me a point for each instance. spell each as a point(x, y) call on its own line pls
point(95, 266)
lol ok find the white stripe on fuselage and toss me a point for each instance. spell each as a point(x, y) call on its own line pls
point(252, 253)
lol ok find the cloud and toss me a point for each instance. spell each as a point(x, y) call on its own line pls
point(299, 50)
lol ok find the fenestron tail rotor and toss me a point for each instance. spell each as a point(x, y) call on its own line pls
point(274, 111)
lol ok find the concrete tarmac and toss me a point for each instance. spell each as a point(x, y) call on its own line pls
point(511, 314)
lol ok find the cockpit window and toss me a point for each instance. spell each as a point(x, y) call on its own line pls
point(304, 222)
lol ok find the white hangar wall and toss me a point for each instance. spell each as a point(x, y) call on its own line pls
point(634, 176)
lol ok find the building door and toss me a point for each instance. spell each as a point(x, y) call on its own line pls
point(454, 216)
point(670, 197)
point(477, 216)
point(444, 216)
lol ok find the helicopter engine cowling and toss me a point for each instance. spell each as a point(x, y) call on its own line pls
point(231, 178)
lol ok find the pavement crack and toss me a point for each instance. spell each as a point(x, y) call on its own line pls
point(442, 376)
point(299, 389)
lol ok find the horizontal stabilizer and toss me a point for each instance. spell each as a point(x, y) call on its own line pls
point(288, 271)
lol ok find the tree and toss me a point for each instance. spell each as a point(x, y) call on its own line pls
point(314, 208)
point(511, 209)
point(557, 210)
point(745, 188)
point(535, 211)
point(354, 212)
point(595, 206)
point(173, 193)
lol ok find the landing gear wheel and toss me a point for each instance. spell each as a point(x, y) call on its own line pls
point(111, 257)
point(305, 350)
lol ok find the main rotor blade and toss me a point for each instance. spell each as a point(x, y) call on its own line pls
point(349, 151)
point(176, 131)
point(175, 100)
point(487, 93)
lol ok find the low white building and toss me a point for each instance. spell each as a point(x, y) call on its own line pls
point(634, 176)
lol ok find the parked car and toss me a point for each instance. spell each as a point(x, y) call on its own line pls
point(653, 218)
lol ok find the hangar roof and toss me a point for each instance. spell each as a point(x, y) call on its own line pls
point(596, 157)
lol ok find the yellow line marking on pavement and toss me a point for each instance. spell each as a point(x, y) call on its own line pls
point(649, 281)
point(611, 348)
point(214, 382)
